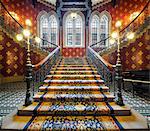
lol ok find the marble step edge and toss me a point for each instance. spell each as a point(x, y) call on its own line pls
point(73, 81)
point(85, 72)
point(73, 76)
point(72, 69)
point(72, 88)
point(79, 109)
point(133, 122)
point(75, 65)
point(48, 96)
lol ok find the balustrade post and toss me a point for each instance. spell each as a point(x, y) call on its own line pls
point(28, 75)
point(118, 75)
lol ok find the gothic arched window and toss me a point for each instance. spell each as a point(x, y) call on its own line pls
point(53, 29)
point(99, 28)
point(48, 29)
point(74, 31)
point(44, 31)
point(104, 28)
point(95, 29)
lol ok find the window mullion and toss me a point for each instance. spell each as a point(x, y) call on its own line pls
point(74, 32)
point(49, 31)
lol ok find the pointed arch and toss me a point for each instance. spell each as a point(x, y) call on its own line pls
point(74, 30)
point(105, 26)
point(48, 27)
point(100, 27)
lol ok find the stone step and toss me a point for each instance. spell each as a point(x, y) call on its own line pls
point(74, 82)
point(75, 66)
point(74, 108)
point(46, 87)
point(74, 77)
point(133, 122)
point(73, 69)
point(74, 72)
point(74, 96)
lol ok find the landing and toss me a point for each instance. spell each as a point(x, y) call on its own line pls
point(74, 61)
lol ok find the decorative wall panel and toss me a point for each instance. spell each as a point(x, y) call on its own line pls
point(73, 52)
point(136, 56)
point(12, 55)
point(25, 10)
point(122, 10)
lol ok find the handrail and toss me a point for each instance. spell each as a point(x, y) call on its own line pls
point(41, 69)
point(146, 6)
point(38, 65)
point(10, 14)
point(106, 63)
point(104, 68)
point(137, 81)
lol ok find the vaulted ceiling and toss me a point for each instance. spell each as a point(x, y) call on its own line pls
point(93, 1)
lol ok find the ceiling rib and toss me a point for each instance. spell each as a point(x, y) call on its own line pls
point(94, 2)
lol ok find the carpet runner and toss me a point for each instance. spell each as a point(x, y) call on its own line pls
point(74, 97)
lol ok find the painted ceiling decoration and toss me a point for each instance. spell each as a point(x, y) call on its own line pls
point(94, 2)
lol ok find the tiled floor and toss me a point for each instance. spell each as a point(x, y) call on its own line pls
point(13, 94)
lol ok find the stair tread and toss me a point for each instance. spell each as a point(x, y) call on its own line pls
point(76, 92)
point(74, 95)
point(47, 87)
point(74, 68)
point(74, 72)
point(76, 75)
point(75, 65)
point(78, 108)
point(72, 81)
point(134, 121)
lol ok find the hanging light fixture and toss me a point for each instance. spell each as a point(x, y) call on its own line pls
point(73, 15)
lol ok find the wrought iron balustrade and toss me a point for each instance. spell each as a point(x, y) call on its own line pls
point(43, 68)
point(105, 69)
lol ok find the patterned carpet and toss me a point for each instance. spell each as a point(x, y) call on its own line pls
point(77, 101)
point(74, 123)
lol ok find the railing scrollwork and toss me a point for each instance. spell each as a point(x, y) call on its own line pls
point(105, 69)
point(43, 68)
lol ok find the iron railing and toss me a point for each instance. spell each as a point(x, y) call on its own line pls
point(105, 69)
point(138, 24)
point(43, 68)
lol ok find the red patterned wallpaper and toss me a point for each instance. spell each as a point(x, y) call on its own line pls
point(73, 52)
point(25, 10)
point(136, 56)
point(122, 10)
point(13, 57)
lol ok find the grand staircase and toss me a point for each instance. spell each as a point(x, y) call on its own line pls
point(74, 97)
